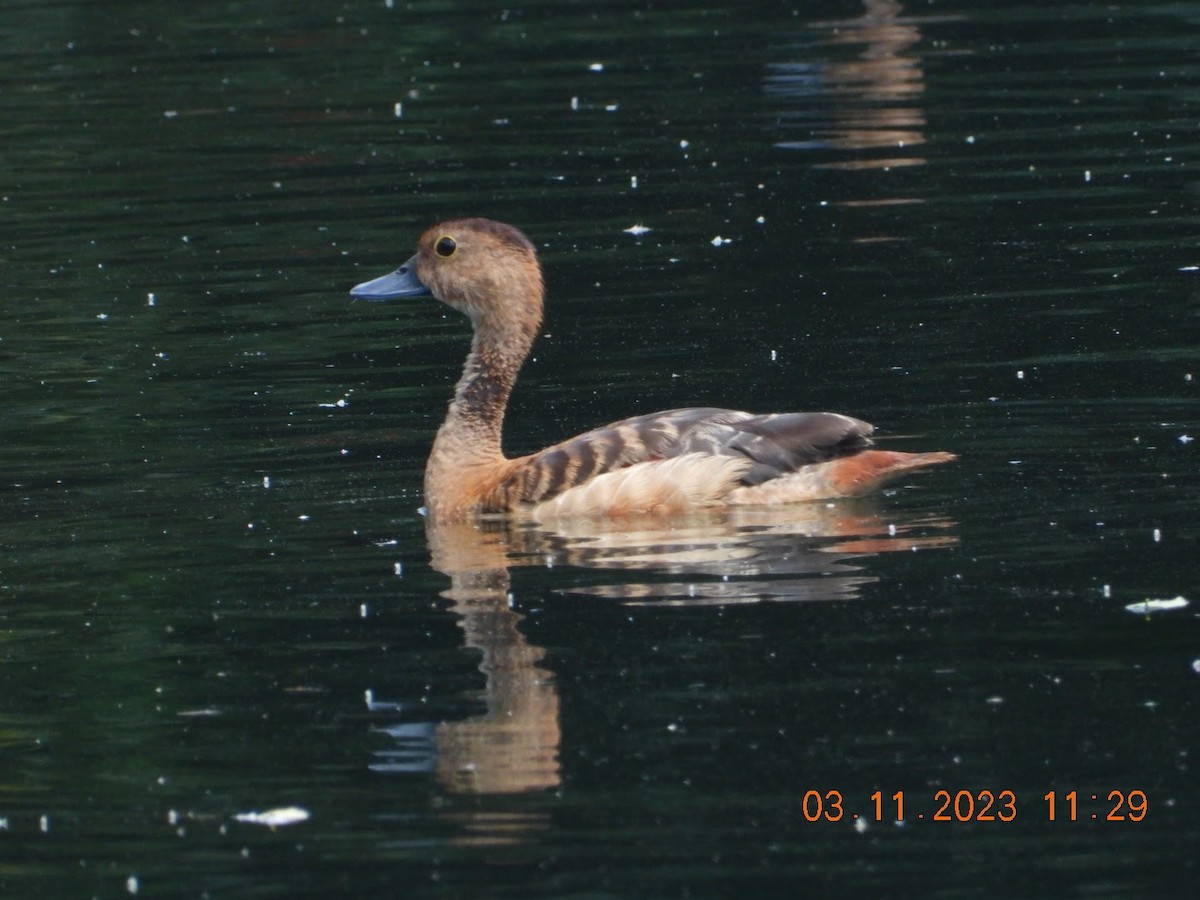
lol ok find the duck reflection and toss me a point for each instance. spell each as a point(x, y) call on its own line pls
point(873, 98)
point(805, 552)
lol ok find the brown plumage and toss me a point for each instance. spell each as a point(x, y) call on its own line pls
point(659, 463)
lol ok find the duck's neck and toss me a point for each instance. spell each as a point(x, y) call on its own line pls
point(469, 440)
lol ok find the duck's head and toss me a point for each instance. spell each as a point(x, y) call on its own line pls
point(485, 269)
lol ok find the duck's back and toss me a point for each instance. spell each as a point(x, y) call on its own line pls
point(673, 460)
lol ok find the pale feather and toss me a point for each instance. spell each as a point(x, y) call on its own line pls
point(691, 481)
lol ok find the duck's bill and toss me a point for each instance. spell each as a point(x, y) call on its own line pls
point(393, 286)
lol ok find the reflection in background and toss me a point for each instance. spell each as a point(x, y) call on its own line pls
point(865, 103)
point(738, 555)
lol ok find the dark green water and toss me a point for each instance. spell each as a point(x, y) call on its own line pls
point(974, 225)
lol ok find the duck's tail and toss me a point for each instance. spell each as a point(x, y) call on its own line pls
point(845, 476)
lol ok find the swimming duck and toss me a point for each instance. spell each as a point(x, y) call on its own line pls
point(660, 463)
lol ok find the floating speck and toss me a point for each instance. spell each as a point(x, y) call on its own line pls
point(267, 482)
point(398, 569)
point(170, 113)
point(596, 67)
point(719, 241)
point(1145, 607)
point(633, 182)
point(761, 219)
point(637, 230)
point(131, 884)
point(274, 818)
point(364, 611)
point(1186, 439)
point(1087, 176)
point(1195, 668)
point(970, 138)
point(1189, 268)
point(611, 107)
point(102, 316)
point(1020, 374)
point(574, 103)
point(150, 299)
point(995, 701)
point(304, 518)
point(1106, 591)
point(44, 824)
point(683, 145)
point(1158, 535)
point(398, 110)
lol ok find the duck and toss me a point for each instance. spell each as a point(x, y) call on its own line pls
point(653, 464)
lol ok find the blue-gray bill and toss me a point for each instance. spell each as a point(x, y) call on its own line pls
point(392, 286)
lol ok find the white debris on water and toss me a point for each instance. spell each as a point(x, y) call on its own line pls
point(1145, 607)
point(637, 230)
point(275, 818)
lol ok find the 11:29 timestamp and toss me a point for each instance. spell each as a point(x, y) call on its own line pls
point(979, 806)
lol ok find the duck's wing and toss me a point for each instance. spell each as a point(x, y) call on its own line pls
point(748, 449)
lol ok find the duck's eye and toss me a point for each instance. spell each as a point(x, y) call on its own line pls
point(445, 246)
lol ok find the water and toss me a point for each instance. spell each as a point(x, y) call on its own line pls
point(969, 226)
